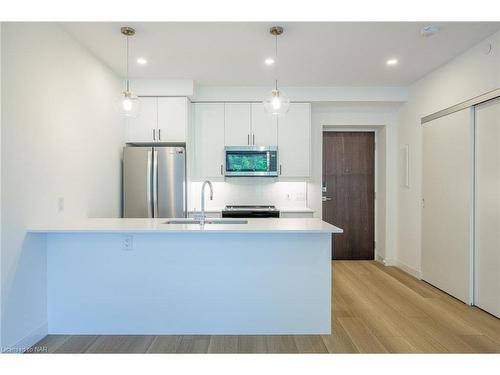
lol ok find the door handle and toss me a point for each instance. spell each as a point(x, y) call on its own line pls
point(159, 134)
point(154, 134)
point(324, 199)
point(253, 139)
point(248, 139)
point(221, 170)
point(155, 183)
point(280, 169)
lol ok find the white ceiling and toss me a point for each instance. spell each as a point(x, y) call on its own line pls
point(310, 54)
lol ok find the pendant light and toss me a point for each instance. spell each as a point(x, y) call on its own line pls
point(277, 103)
point(129, 105)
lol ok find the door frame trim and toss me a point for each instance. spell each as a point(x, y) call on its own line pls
point(364, 129)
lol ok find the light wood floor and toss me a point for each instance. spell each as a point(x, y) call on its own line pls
point(376, 309)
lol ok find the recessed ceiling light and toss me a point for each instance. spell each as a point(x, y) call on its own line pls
point(269, 61)
point(392, 62)
point(142, 61)
point(429, 30)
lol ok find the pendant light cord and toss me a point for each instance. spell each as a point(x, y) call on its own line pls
point(276, 59)
point(128, 85)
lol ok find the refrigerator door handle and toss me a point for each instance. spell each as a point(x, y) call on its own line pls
point(155, 183)
point(148, 185)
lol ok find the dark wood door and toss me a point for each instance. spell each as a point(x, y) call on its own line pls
point(349, 190)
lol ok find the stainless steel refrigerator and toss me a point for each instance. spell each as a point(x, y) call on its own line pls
point(154, 182)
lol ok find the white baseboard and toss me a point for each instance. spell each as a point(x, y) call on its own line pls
point(28, 341)
point(404, 267)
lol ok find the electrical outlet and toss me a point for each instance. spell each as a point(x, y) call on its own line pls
point(128, 243)
point(60, 204)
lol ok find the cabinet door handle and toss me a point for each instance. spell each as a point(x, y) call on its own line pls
point(280, 169)
point(248, 139)
point(253, 139)
point(154, 134)
point(159, 134)
point(221, 172)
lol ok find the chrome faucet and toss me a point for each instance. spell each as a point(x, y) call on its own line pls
point(205, 183)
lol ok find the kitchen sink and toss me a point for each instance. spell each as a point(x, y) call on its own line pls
point(207, 221)
point(226, 221)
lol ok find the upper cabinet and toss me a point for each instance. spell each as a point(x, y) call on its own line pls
point(143, 127)
point(294, 141)
point(162, 119)
point(172, 119)
point(237, 124)
point(209, 139)
point(264, 126)
point(247, 124)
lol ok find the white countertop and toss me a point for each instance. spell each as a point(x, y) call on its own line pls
point(267, 225)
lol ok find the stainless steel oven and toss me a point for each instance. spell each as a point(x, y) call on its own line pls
point(251, 161)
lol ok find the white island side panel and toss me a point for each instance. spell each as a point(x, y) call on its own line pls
point(180, 283)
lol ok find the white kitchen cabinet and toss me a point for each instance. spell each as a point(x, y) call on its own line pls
point(209, 139)
point(237, 124)
point(172, 119)
point(141, 128)
point(294, 141)
point(264, 130)
point(162, 119)
point(247, 124)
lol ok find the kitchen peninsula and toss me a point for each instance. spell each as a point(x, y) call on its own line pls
point(144, 276)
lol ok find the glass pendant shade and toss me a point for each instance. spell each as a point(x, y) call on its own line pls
point(129, 105)
point(277, 103)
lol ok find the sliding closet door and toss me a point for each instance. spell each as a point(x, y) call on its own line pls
point(487, 239)
point(447, 194)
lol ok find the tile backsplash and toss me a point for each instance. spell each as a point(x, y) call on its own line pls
point(250, 191)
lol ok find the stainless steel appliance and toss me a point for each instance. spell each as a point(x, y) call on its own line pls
point(250, 211)
point(154, 182)
point(251, 161)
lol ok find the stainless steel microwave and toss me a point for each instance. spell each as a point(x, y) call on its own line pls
point(251, 161)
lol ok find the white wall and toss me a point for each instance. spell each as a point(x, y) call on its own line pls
point(303, 94)
point(61, 138)
point(382, 118)
point(470, 74)
point(260, 191)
